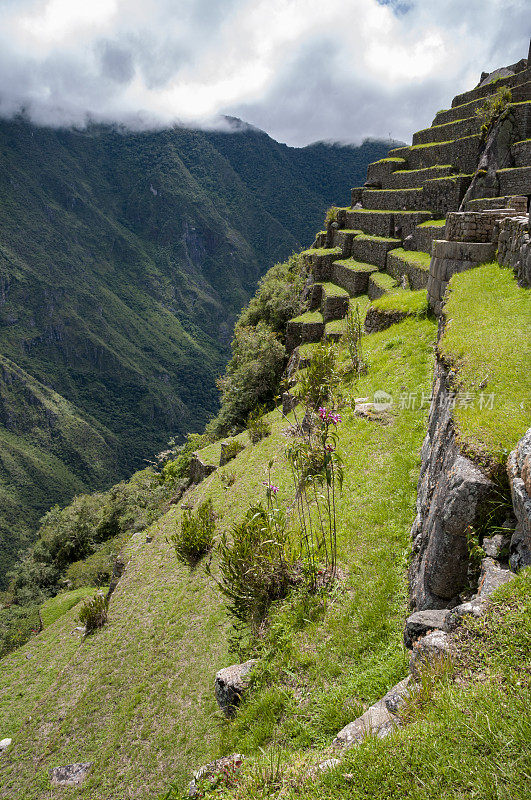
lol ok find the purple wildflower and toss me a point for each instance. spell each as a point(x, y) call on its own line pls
point(322, 413)
point(334, 418)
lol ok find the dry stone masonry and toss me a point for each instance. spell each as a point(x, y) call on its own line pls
point(410, 202)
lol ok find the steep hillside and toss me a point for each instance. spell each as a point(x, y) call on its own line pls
point(393, 478)
point(124, 259)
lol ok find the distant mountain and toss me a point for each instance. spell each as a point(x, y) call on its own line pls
point(124, 260)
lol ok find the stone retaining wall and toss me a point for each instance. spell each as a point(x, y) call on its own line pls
point(376, 320)
point(423, 237)
point(514, 248)
point(352, 280)
point(517, 203)
point(463, 154)
point(416, 275)
point(522, 153)
point(514, 181)
point(454, 129)
point(449, 258)
point(451, 493)
point(474, 226)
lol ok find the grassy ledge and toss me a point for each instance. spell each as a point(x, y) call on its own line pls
point(492, 358)
point(411, 303)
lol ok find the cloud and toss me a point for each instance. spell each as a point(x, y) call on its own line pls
point(300, 69)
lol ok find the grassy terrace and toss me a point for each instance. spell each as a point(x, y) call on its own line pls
point(309, 316)
point(332, 290)
point(493, 358)
point(321, 251)
point(433, 223)
point(384, 281)
point(414, 257)
point(404, 300)
point(449, 141)
point(368, 237)
point(56, 607)
point(356, 266)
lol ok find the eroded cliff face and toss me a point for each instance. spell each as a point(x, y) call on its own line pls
point(452, 491)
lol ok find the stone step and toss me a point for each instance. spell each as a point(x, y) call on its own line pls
point(319, 261)
point(394, 224)
point(426, 233)
point(320, 241)
point(521, 152)
point(490, 88)
point(413, 264)
point(520, 92)
point(379, 171)
point(393, 199)
point(308, 327)
point(343, 237)
point(380, 283)
point(442, 195)
point(514, 181)
point(408, 178)
point(516, 202)
point(352, 275)
point(373, 249)
point(447, 131)
point(331, 299)
point(462, 154)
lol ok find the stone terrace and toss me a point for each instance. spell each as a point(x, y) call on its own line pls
point(384, 239)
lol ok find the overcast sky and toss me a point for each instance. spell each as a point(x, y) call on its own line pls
point(302, 70)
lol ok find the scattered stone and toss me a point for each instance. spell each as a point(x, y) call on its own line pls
point(117, 572)
point(376, 721)
point(434, 646)
point(474, 607)
point(230, 684)
point(519, 472)
point(421, 622)
point(324, 766)
point(289, 401)
point(4, 744)
point(70, 775)
point(520, 549)
point(496, 546)
point(396, 696)
point(211, 770)
point(492, 577)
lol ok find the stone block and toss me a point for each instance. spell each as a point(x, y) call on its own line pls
point(421, 622)
point(230, 684)
point(69, 775)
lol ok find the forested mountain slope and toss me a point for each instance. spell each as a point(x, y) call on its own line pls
point(124, 258)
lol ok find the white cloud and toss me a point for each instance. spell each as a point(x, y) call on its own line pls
point(301, 69)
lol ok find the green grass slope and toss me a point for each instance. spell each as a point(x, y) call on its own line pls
point(137, 697)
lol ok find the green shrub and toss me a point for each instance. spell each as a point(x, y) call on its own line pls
point(352, 338)
point(330, 216)
point(93, 614)
point(492, 108)
point(319, 382)
point(252, 377)
point(277, 297)
point(255, 564)
point(231, 449)
point(196, 535)
point(257, 426)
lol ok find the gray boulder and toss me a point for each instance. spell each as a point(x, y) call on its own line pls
point(435, 646)
point(492, 576)
point(69, 775)
point(519, 472)
point(379, 719)
point(421, 622)
point(230, 684)
point(229, 764)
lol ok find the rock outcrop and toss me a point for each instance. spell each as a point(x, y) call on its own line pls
point(519, 471)
point(451, 493)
